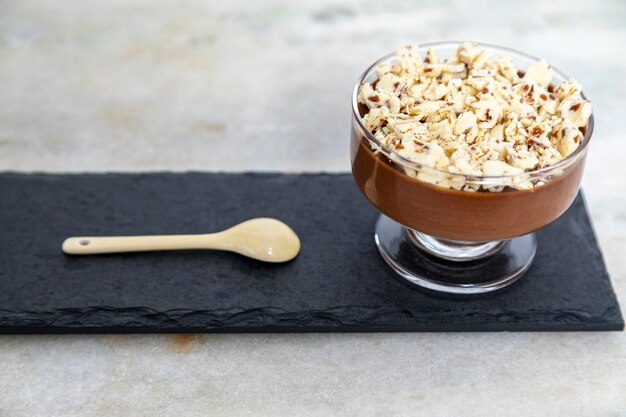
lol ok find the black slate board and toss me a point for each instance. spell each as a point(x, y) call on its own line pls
point(339, 282)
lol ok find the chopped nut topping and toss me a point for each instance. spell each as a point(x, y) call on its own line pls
point(473, 115)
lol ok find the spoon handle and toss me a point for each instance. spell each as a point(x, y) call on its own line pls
point(115, 244)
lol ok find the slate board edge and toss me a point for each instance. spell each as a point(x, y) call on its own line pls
point(107, 320)
point(447, 328)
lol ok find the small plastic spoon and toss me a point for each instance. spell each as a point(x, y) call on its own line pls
point(265, 239)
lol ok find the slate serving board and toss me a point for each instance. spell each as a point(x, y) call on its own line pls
point(339, 283)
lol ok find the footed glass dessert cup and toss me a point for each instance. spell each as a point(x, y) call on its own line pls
point(451, 240)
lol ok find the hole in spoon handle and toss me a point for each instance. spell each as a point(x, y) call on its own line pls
point(77, 246)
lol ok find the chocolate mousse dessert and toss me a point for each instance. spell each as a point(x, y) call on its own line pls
point(469, 147)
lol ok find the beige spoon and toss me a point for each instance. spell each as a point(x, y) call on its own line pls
point(265, 239)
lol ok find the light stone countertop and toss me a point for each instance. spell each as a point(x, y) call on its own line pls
point(230, 86)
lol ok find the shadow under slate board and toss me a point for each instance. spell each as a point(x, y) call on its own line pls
point(338, 283)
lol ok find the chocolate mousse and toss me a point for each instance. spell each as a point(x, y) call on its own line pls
point(468, 148)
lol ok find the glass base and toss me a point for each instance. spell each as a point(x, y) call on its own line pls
point(453, 266)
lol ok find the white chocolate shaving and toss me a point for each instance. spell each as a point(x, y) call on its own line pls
point(473, 115)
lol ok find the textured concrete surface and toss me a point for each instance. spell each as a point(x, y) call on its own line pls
point(172, 85)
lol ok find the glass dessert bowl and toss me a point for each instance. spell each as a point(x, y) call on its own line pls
point(456, 232)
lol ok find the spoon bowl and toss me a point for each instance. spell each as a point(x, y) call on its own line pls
point(265, 239)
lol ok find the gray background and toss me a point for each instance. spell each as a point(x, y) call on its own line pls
point(231, 86)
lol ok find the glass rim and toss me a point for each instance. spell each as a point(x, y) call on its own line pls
point(412, 164)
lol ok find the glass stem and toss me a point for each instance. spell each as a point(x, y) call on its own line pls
point(454, 250)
